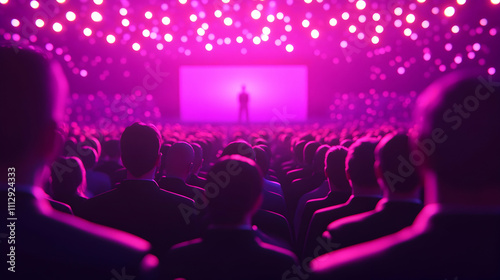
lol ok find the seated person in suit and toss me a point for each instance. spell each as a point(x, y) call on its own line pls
point(338, 186)
point(311, 187)
point(271, 200)
point(290, 191)
point(366, 192)
point(49, 244)
point(109, 162)
point(229, 249)
point(295, 163)
point(457, 234)
point(178, 165)
point(395, 211)
point(263, 161)
point(97, 182)
point(138, 205)
point(68, 182)
point(193, 178)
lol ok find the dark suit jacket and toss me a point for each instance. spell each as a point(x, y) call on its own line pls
point(142, 208)
point(441, 244)
point(274, 202)
point(195, 180)
point(178, 186)
point(332, 199)
point(323, 217)
point(227, 254)
point(298, 188)
point(388, 217)
point(275, 226)
point(53, 245)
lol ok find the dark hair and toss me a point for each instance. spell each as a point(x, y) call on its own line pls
point(319, 158)
point(309, 151)
point(262, 159)
point(360, 162)
point(463, 149)
point(239, 182)
point(392, 152)
point(298, 150)
point(68, 177)
point(140, 148)
point(88, 156)
point(335, 165)
point(94, 143)
point(239, 148)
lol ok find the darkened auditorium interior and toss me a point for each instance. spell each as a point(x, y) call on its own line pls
point(250, 139)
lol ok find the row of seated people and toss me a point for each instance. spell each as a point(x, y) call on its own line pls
point(345, 209)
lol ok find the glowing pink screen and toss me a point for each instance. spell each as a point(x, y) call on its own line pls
point(210, 93)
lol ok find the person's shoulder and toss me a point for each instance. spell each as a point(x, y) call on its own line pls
point(187, 244)
point(330, 209)
point(373, 256)
point(171, 196)
point(350, 221)
point(84, 237)
point(277, 252)
point(103, 196)
point(184, 250)
point(272, 183)
point(195, 187)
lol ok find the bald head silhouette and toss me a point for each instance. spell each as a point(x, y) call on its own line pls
point(179, 160)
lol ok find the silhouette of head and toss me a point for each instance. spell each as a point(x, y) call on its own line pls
point(309, 152)
point(198, 157)
point(392, 152)
point(239, 148)
point(262, 159)
point(335, 166)
point(179, 160)
point(88, 157)
point(33, 90)
point(298, 151)
point(458, 132)
point(360, 163)
point(68, 177)
point(93, 143)
point(319, 159)
point(140, 148)
point(239, 195)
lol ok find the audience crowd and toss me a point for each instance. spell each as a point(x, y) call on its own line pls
point(302, 201)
